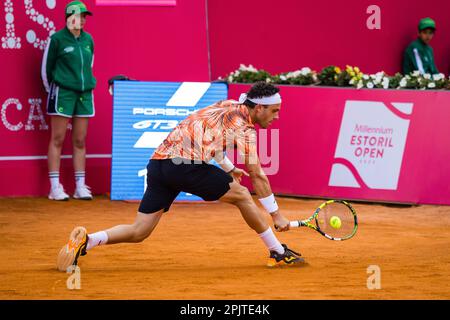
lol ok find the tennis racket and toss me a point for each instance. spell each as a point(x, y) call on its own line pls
point(334, 219)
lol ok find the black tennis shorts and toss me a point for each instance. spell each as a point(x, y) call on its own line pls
point(167, 178)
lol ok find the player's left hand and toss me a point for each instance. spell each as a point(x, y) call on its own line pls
point(237, 174)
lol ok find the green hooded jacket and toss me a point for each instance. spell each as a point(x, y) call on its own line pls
point(68, 61)
point(419, 56)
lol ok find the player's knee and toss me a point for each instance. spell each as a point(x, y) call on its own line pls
point(242, 194)
point(139, 237)
point(141, 232)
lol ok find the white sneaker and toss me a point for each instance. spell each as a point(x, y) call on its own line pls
point(58, 194)
point(83, 193)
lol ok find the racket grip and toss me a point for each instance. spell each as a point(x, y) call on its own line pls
point(294, 224)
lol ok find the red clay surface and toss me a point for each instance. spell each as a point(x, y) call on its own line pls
point(206, 251)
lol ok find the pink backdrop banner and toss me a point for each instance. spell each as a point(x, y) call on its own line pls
point(158, 43)
point(290, 34)
point(170, 43)
point(135, 2)
point(375, 145)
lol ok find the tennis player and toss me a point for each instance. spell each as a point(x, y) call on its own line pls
point(180, 163)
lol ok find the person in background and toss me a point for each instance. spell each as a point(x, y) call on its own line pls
point(419, 54)
point(67, 76)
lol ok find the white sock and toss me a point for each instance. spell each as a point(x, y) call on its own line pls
point(97, 239)
point(271, 242)
point(54, 179)
point(80, 178)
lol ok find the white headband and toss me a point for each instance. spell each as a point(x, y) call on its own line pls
point(275, 99)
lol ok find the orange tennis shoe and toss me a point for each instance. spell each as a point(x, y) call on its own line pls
point(71, 251)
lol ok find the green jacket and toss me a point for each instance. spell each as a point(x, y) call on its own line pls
point(419, 56)
point(68, 61)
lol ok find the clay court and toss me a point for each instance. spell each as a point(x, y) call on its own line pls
point(206, 251)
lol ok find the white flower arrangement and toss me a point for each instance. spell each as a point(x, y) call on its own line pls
point(403, 83)
point(294, 74)
point(248, 74)
point(305, 71)
point(303, 76)
point(438, 76)
point(385, 83)
point(352, 76)
point(370, 81)
point(360, 84)
point(250, 68)
point(426, 81)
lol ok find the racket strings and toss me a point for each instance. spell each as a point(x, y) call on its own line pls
point(341, 211)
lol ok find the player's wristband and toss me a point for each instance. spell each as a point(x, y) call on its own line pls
point(269, 203)
point(226, 165)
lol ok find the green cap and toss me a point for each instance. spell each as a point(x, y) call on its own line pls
point(75, 7)
point(427, 23)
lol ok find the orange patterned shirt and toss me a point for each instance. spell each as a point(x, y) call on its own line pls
point(208, 132)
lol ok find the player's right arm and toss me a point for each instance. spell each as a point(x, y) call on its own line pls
point(246, 145)
point(48, 63)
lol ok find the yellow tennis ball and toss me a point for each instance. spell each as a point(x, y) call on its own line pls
point(335, 222)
